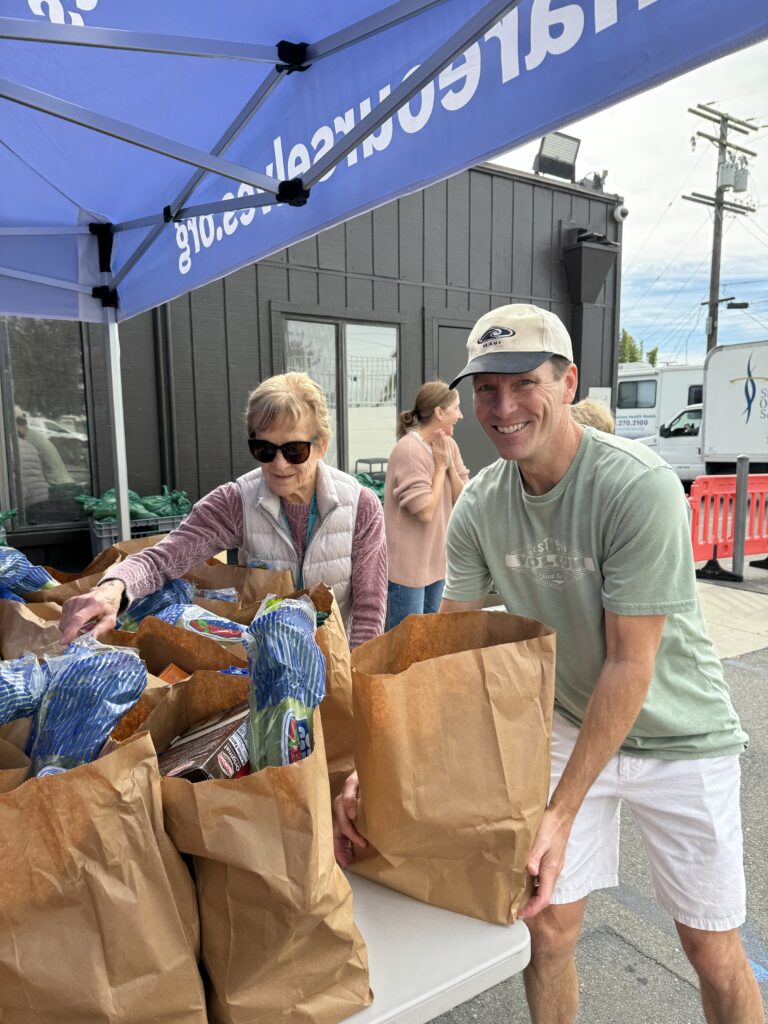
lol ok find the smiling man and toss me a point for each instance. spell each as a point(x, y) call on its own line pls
point(589, 533)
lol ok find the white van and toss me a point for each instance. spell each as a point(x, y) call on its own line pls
point(648, 396)
point(733, 419)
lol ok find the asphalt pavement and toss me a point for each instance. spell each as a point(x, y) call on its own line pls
point(631, 967)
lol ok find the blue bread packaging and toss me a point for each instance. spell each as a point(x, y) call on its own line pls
point(87, 691)
point(287, 672)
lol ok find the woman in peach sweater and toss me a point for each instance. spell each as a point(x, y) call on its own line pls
point(425, 476)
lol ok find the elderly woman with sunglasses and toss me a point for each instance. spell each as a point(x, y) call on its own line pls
point(293, 512)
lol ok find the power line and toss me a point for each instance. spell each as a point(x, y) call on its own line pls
point(674, 258)
point(664, 211)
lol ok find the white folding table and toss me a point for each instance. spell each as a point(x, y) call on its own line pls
point(424, 961)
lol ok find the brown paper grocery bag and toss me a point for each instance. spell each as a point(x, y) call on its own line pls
point(81, 585)
point(337, 706)
point(332, 640)
point(452, 723)
point(107, 558)
point(98, 914)
point(23, 630)
point(253, 585)
point(278, 938)
point(160, 643)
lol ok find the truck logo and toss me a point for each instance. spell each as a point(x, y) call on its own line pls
point(750, 388)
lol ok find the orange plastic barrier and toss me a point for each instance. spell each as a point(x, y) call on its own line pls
point(713, 501)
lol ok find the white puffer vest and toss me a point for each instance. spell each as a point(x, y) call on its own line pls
point(328, 558)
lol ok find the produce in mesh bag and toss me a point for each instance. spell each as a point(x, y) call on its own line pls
point(19, 575)
point(172, 593)
point(22, 685)
point(88, 689)
point(287, 672)
point(198, 620)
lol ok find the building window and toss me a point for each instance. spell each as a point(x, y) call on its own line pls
point(46, 426)
point(637, 394)
point(695, 394)
point(356, 366)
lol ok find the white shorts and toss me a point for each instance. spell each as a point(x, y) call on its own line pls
point(689, 816)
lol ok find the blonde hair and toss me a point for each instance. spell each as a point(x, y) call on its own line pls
point(434, 394)
point(288, 396)
point(590, 413)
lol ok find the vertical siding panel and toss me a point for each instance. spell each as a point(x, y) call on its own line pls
point(184, 385)
point(561, 217)
point(436, 234)
point(331, 248)
point(331, 290)
point(412, 237)
point(385, 296)
point(456, 240)
point(302, 287)
point(243, 362)
point(542, 245)
point(501, 235)
point(480, 226)
point(272, 284)
point(522, 235)
point(212, 400)
point(359, 233)
point(142, 438)
point(360, 293)
point(385, 241)
point(304, 254)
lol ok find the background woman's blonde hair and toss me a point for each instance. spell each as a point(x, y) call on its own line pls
point(590, 413)
point(288, 396)
point(432, 395)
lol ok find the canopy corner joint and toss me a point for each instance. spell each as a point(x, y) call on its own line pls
point(292, 57)
point(292, 192)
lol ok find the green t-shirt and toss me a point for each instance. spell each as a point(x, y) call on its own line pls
point(612, 535)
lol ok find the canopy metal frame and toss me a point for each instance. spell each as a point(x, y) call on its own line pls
point(270, 190)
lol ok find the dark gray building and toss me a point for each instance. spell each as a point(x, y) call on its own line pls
point(370, 308)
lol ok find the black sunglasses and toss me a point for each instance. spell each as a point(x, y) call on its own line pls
point(294, 452)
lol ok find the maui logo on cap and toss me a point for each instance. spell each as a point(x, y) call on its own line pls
point(494, 335)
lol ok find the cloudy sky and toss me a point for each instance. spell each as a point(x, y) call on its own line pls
point(645, 144)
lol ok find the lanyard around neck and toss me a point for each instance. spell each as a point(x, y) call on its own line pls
point(310, 527)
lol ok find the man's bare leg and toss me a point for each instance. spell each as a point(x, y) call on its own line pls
point(729, 990)
point(551, 982)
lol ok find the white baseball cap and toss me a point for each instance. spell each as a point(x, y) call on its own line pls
point(514, 339)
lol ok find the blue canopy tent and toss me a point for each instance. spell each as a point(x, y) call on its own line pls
point(149, 148)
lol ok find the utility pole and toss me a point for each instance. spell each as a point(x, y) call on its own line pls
point(726, 178)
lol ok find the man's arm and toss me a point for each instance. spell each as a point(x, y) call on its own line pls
point(631, 646)
point(446, 605)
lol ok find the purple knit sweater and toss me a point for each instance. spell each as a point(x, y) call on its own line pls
point(216, 524)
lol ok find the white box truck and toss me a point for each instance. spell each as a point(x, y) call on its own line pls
point(648, 396)
point(707, 438)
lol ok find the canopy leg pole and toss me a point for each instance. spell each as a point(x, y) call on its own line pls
point(117, 422)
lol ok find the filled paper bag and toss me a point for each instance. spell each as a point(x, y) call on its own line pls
point(29, 628)
point(252, 584)
point(159, 643)
point(99, 921)
point(278, 938)
point(452, 723)
point(332, 640)
point(109, 557)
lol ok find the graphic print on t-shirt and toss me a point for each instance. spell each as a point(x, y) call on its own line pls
point(551, 563)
